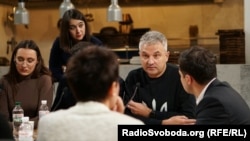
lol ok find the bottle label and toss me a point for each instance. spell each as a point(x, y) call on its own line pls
point(25, 132)
point(42, 113)
point(17, 119)
point(25, 139)
point(25, 135)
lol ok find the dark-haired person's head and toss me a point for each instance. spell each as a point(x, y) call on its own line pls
point(73, 28)
point(80, 45)
point(26, 56)
point(93, 74)
point(198, 62)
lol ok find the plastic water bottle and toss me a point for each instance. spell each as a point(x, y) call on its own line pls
point(25, 130)
point(44, 109)
point(17, 115)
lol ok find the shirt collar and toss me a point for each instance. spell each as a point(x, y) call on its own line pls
point(201, 95)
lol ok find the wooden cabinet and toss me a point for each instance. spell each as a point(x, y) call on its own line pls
point(232, 46)
point(124, 45)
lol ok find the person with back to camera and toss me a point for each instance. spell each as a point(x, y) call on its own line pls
point(159, 96)
point(93, 76)
point(28, 81)
point(217, 102)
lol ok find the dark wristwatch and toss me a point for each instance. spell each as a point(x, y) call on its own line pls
point(152, 114)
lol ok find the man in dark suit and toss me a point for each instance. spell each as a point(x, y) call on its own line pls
point(217, 102)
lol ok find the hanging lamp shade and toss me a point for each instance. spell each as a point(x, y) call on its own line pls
point(21, 15)
point(65, 5)
point(114, 11)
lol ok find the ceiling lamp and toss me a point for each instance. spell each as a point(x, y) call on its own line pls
point(114, 11)
point(65, 5)
point(21, 15)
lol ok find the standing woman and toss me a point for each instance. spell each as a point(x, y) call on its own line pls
point(28, 81)
point(73, 29)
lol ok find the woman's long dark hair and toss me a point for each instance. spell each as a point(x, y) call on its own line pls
point(40, 69)
point(66, 41)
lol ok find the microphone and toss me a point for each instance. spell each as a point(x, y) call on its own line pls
point(55, 107)
point(136, 88)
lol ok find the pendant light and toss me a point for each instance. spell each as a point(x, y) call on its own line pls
point(114, 11)
point(21, 15)
point(65, 5)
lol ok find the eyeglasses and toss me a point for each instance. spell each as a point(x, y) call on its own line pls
point(29, 61)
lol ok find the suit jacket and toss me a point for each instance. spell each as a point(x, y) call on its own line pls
point(221, 104)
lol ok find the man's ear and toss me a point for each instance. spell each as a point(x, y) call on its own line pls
point(167, 53)
point(114, 89)
point(188, 78)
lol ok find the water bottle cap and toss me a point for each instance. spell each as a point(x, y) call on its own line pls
point(44, 101)
point(18, 103)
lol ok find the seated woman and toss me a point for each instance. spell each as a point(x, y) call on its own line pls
point(28, 81)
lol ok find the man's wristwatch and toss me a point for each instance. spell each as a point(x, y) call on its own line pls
point(152, 114)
